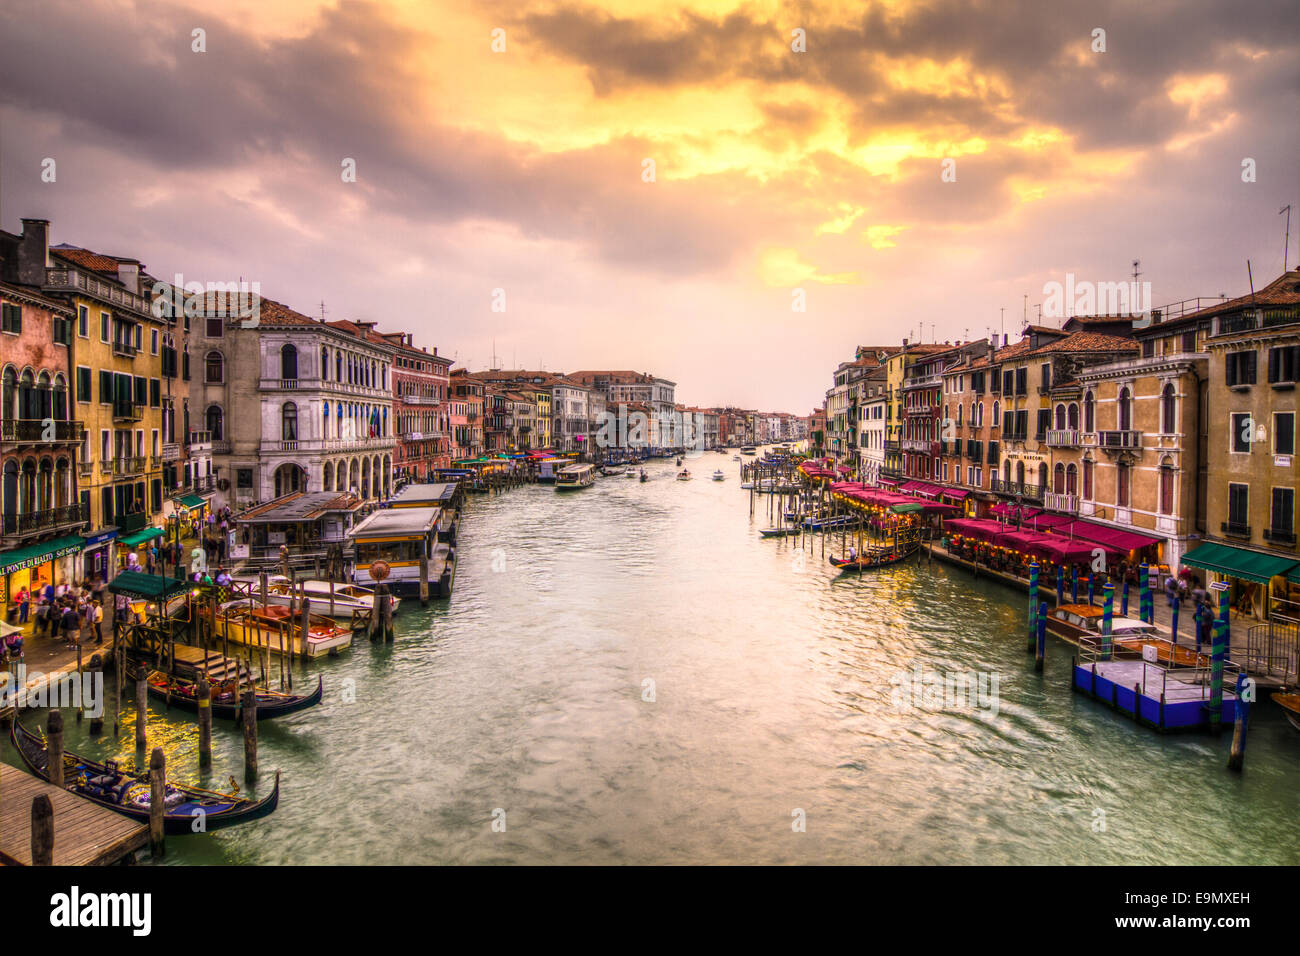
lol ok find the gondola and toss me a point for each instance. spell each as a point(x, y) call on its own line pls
point(1290, 704)
point(128, 794)
point(225, 704)
point(777, 532)
point(869, 562)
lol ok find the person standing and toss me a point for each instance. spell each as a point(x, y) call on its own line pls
point(24, 602)
point(97, 619)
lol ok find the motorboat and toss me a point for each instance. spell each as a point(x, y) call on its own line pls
point(684, 475)
point(719, 476)
point(346, 597)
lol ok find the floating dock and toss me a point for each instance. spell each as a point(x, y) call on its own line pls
point(1167, 699)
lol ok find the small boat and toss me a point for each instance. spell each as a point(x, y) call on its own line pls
point(684, 475)
point(679, 463)
point(719, 476)
point(226, 702)
point(609, 472)
point(748, 450)
point(746, 484)
point(274, 626)
point(128, 793)
point(644, 476)
point(1290, 704)
point(777, 532)
point(629, 473)
point(735, 458)
point(875, 559)
point(347, 597)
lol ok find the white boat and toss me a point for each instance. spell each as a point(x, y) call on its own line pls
point(719, 476)
point(575, 476)
point(277, 629)
point(748, 450)
point(684, 475)
point(347, 597)
point(398, 538)
point(735, 458)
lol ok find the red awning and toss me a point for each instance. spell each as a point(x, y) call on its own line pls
point(956, 494)
point(1123, 540)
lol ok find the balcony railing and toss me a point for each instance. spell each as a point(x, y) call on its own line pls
point(1280, 536)
point(171, 451)
point(1120, 440)
point(34, 430)
point(1063, 437)
point(220, 446)
point(34, 522)
point(1053, 501)
point(85, 468)
point(1235, 529)
point(126, 467)
point(1022, 488)
point(124, 349)
point(920, 445)
point(128, 411)
point(62, 278)
point(420, 400)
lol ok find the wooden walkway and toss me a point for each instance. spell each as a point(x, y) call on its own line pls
point(85, 834)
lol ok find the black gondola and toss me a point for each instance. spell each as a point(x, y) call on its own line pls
point(128, 794)
point(270, 703)
point(868, 562)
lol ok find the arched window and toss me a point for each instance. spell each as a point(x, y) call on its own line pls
point(324, 363)
point(1058, 479)
point(60, 397)
point(214, 420)
point(338, 367)
point(325, 431)
point(1042, 476)
point(1060, 416)
point(1125, 409)
point(1087, 479)
point(214, 368)
point(10, 395)
point(1167, 486)
point(1168, 411)
point(1072, 416)
point(1089, 413)
point(996, 419)
point(1122, 479)
point(1071, 479)
point(289, 422)
point(1020, 472)
point(43, 402)
point(1006, 472)
point(288, 362)
point(27, 395)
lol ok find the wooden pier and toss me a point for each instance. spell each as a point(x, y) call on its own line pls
point(85, 834)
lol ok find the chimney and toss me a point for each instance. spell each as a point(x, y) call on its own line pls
point(128, 273)
point(34, 252)
point(1004, 339)
point(904, 345)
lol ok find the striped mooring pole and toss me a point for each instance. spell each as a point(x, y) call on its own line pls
point(1033, 604)
point(1173, 623)
point(1041, 643)
point(1074, 584)
point(1060, 586)
point(1123, 601)
point(1217, 653)
point(1143, 590)
point(1107, 615)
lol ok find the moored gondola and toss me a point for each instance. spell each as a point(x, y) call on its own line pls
point(869, 562)
point(226, 703)
point(128, 793)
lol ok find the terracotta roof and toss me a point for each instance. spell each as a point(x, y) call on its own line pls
point(618, 377)
point(1089, 342)
point(88, 260)
point(1284, 290)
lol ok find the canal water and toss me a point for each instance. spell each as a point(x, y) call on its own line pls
point(629, 674)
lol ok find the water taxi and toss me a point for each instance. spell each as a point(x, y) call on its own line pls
point(719, 476)
point(575, 476)
point(276, 628)
point(748, 450)
point(399, 538)
point(346, 598)
point(684, 475)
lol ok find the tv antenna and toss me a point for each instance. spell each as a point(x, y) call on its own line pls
point(1286, 243)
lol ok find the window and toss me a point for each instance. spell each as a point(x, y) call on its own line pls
point(1243, 431)
point(1125, 411)
point(1022, 381)
point(1058, 479)
point(1148, 348)
point(1089, 413)
point(1046, 372)
point(83, 383)
point(289, 422)
point(1087, 479)
point(1044, 423)
point(1282, 515)
point(1239, 368)
point(103, 327)
point(214, 328)
point(1167, 487)
point(11, 318)
point(141, 390)
point(214, 367)
point(288, 362)
point(105, 387)
point(214, 421)
point(1123, 478)
point(155, 393)
point(244, 478)
point(1008, 382)
point(1283, 365)
point(185, 364)
point(83, 321)
point(1238, 509)
point(153, 342)
point(1168, 410)
point(1284, 433)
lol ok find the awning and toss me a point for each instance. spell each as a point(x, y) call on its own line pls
point(1239, 563)
point(140, 537)
point(190, 501)
point(1124, 540)
point(34, 554)
point(956, 494)
point(152, 586)
point(906, 507)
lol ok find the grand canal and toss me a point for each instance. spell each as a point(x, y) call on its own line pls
point(770, 701)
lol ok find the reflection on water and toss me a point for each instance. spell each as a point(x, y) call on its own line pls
point(774, 688)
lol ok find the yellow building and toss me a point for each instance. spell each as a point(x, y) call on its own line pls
point(541, 399)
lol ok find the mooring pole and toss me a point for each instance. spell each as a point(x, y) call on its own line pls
point(1041, 651)
point(1241, 724)
point(54, 742)
point(42, 831)
point(204, 691)
point(1033, 606)
point(157, 800)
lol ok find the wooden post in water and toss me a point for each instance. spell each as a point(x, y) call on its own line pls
point(331, 595)
point(250, 735)
point(42, 831)
point(1041, 651)
point(141, 711)
point(1033, 605)
point(304, 620)
point(204, 691)
point(157, 800)
point(97, 677)
point(1241, 724)
point(386, 602)
point(79, 696)
point(54, 741)
point(424, 580)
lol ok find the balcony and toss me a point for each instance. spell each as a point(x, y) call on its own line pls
point(128, 411)
point(128, 467)
point(1120, 441)
point(420, 400)
point(1280, 536)
point(39, 522)
point(1063, 437)
point(1022, 488)
point(220, 447)
point(85, 468)
point(919, 445)
point(62, 278)
point(124, 349)
point(1235, 529)
point(33, 431)
point(129, 523)
point(171, 451)
point(1059, 502)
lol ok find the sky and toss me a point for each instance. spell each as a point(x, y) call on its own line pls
point(657, 185)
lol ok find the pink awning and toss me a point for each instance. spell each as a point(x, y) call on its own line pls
point(1123, 540)
point(956, 494)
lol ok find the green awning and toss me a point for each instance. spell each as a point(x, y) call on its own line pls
point(1238, 562)
point(905, 507)
point(34, 554)
point(152, 586)
point(140, 537)
point(190, 501)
